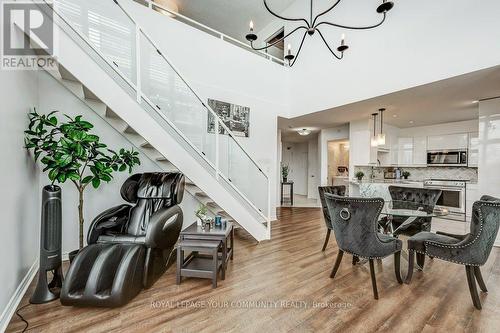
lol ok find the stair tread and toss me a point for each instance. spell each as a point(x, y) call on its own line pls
point(66, 75)
point(89, 94)
point(111, 114)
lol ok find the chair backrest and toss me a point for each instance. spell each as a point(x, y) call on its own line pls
point(151, 192)
point(336, 190)
point(484, 227)
point(354, 222)
point(412, 195)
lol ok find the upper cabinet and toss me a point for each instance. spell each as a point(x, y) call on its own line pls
point(361, 152)
point(405, 151)
point(420, 151)
point(448, 142)
point(473, 149)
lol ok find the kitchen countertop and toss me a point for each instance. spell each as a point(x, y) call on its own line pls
point(385, 181)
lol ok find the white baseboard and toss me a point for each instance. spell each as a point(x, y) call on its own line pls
point(16, 298)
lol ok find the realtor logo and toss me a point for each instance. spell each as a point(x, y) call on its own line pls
point(27, 36)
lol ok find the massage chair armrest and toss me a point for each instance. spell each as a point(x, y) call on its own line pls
point(164, 228)
point(112, 219)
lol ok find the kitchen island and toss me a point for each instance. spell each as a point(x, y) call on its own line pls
point(379, 188)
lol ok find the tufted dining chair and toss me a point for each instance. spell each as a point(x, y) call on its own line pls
point(337, 190)
point(407, 197)
point(354, 222)
point(471, 250)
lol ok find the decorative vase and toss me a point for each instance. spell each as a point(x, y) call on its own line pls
point(285, 179)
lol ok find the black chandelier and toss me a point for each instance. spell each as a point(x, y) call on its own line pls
point(312, 26)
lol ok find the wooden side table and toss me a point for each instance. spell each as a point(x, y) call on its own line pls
point(223, 235)
point(205, 266)
point(290, 184)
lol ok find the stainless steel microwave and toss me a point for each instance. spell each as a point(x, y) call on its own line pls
point(447, 157)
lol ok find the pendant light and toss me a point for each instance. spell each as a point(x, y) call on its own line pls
point(374, 140)
point(381, 135)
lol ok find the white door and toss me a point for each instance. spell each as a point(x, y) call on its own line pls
point(299, 173)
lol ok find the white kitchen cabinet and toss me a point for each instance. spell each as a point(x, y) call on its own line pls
point(471, 195)
point(405, 151)
point(473, 157)
point(420, 151)
point(448, 142)
point(361, 151)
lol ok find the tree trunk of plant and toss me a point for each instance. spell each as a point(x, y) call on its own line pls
point(80, 216)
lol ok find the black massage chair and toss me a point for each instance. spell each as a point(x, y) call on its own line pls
point(129, 246)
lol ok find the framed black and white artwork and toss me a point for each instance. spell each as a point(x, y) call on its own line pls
point(235, 117)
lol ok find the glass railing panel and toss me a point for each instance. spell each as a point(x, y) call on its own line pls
point(175, 101)
point(108, 29)
point(244, 174)
point(112, 32)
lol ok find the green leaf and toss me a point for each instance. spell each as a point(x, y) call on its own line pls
point(106, 177)
point(87, 179)
point(96, 182)
point(53, 121)
point(61, 177)
point(53, 174)
point(123, 167)
point(65, 160)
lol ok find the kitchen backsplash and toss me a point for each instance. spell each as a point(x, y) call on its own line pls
point(423, 173)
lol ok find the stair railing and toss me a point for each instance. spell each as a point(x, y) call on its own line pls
point(223, 152)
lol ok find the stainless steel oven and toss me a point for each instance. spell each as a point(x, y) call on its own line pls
point(447, 157)
point(452, 196)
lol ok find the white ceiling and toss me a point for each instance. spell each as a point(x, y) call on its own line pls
point(449, 100)
point(231, 17)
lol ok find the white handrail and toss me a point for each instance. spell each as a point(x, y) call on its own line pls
point(151, 4)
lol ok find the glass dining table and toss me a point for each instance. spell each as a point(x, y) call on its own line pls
point(412, 211)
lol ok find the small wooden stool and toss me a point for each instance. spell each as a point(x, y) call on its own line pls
point(205, 265)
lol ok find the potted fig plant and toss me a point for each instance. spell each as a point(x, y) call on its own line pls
point(69, 151)
point(359, 175)
point(284, 172)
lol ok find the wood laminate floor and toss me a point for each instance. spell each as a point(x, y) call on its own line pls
point(283, 285)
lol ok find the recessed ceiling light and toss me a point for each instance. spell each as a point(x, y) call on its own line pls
point(411, 121)
point(304, 132)
point(394, 115)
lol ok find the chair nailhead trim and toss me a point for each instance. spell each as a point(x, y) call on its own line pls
point(481, 220)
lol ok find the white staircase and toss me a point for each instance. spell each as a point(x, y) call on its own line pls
point(139, 93)
point(71, 83)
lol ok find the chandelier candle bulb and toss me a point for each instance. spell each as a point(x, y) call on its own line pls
point(342, 42)
point(251, 26)
point(289, 49)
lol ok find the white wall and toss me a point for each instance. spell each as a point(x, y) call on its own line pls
point(420, 42)
point(228, 73)
point(329, 134)
point(313, 169)
point(20, 190)
point(489, 149)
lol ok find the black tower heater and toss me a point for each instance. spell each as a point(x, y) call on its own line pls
point(50, 246)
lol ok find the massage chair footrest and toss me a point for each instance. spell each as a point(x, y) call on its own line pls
point(104, 275)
